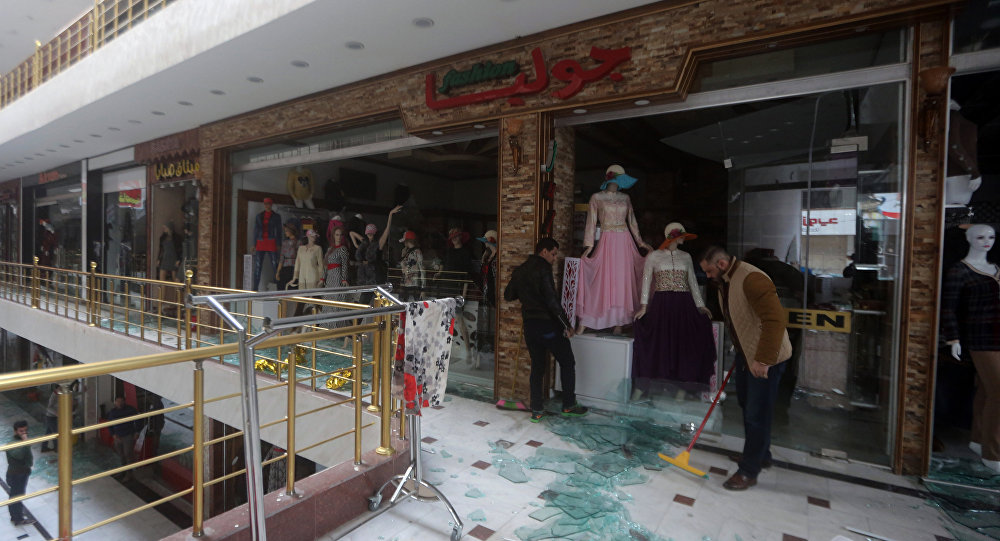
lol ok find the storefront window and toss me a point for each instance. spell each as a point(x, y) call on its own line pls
point(808, 189)
point(856, 52)
point(58, 218)
point(10, 220)
point(977, 26)
point(125, 208)
point(440, 242)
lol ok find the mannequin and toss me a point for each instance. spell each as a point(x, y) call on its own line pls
point(411, 261)
point(488, 267)
point(49, 243)
point(673, 330)
point(168, 259)
point(266, 235)
point(300, 186)
point(337, 258)
point(308, 271)
point(286, 258)
point(609, 281)
point(963, 176)
point(970, 314)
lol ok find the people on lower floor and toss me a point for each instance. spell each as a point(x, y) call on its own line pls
point(19, 463)
point(124, 433)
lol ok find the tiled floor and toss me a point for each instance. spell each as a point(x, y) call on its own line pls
point(785, 505)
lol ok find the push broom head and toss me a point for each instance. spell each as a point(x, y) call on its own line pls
point(681, 461)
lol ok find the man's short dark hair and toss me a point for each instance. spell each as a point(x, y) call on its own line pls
point(20, 424)
point(713, 253)
point(546, 243)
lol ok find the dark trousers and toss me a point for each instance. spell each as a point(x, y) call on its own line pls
point(543, 336)
point(18, 483)
point(757, 397)
point(258, 262)
point(51, 427)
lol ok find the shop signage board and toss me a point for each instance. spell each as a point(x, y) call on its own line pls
point(175, 169)
point(819, 320)
point(570, 71)
point(130, 199)
point(829, 222)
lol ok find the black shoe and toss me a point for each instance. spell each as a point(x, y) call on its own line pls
point(765, 464)
point(537, 416)
point(575, 411)
point(25, 522)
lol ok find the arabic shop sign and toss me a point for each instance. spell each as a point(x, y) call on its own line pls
point(829, 222)
point(569, 71)
point(130, 199)
point(180, 168)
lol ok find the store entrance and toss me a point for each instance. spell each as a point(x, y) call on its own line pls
point(806, 188)
point(440, 204)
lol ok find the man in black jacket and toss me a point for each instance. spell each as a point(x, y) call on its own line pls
point(546, 327)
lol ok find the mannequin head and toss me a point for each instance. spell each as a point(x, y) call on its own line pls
point(337, 236)
point(370, 231)
point(981, 238)
point(289, 231)
point(409, 239)
point(311, 236)
point(267, 204)
point(615, 179)
point(675, 235)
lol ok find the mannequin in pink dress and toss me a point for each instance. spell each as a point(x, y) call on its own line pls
point(608, 293)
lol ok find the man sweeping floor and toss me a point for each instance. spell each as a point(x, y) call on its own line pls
point(546, 327)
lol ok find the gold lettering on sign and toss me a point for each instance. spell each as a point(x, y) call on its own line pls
point(176, 169)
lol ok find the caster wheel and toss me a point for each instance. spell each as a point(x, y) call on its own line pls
point(374, 502)
point(456, 534)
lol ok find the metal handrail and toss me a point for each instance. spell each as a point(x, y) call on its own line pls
point(25, 282)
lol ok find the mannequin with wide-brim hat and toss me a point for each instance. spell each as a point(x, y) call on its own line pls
point(608, 292)
point(673, 328)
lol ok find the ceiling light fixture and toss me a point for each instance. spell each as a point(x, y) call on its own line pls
point(50, 150)
point(112, 128)
point(423, 22)
point(135, 121)
point(185, 103)
point(255, 79)
point(354, 45)
point(437, 132)
point(39, 154)
point(300, 63)
point(579, 111)
point(158, 113)
point(217, 92)
point(479, 126)
point(77, 140)
point(95, 135)
point(64, 146)
point(642, 102)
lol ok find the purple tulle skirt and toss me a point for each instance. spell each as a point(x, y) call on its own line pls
point(673, 341)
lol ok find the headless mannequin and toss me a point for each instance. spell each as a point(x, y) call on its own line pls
point(613, 188)
point(981, 239)
point(673, 248)
point(300, 186)
point(963, 176)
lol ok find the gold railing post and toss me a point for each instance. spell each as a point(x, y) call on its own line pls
point(384, 361)
point(65, 462)
point(92, 42)
point(93, 299)
point(34, 283)
point(358, 404)
point(290, 419)
point(188, 275)
point(198, 462)
point(36, 66)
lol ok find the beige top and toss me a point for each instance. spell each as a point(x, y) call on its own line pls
point(670, 270)
point(309, 268)
point(614, 211)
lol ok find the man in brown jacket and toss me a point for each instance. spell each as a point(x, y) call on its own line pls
point(756, 323)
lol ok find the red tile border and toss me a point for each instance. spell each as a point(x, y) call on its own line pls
point(481, 464)
point(481, 532)
point(789, 537)
point(533, 443)
point(680, 498)
point(429, 439)
point(818, 502)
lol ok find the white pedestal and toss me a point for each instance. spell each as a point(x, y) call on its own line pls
point(602, 362)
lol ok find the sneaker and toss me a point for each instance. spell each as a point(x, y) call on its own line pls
point(536, 416)
point(25, 522)
point(575, 411)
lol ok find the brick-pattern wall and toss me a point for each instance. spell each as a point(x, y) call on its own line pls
point(918, 345)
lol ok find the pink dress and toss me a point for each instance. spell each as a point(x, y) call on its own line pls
point(608, 293)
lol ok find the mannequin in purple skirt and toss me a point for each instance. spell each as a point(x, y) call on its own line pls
point(673, 330)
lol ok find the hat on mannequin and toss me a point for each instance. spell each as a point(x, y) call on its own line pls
point(616, 174)
point(674, 232)
point(490, 237)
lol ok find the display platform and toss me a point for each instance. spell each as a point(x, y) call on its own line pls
point(602, 362)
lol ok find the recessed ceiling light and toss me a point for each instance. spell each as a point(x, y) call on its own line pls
point(745, 141)
point(355, 45)
point(133, 121)
point(158, 113)
point(217, 92)
point(50, 150)
point(758, 136)
point(29, 158)
point(19, 162)
point(64, 146)
point(255, 79)
point(579, 111)
point(423, 22)
point(96, 135)
point(479, 126)
point(185, 103)
point(39, 154)
point(642, 102)
point(300, 63)
point(437, 132)
point(77, 140)
point(112, 128)
point(772, 130)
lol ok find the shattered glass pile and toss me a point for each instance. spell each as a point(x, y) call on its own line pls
point(587, 501)
point(976, 505)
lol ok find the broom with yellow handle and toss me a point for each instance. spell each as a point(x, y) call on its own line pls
point(681, 460)
point(514, 404)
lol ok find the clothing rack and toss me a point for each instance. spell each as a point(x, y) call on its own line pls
point(411, 482)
